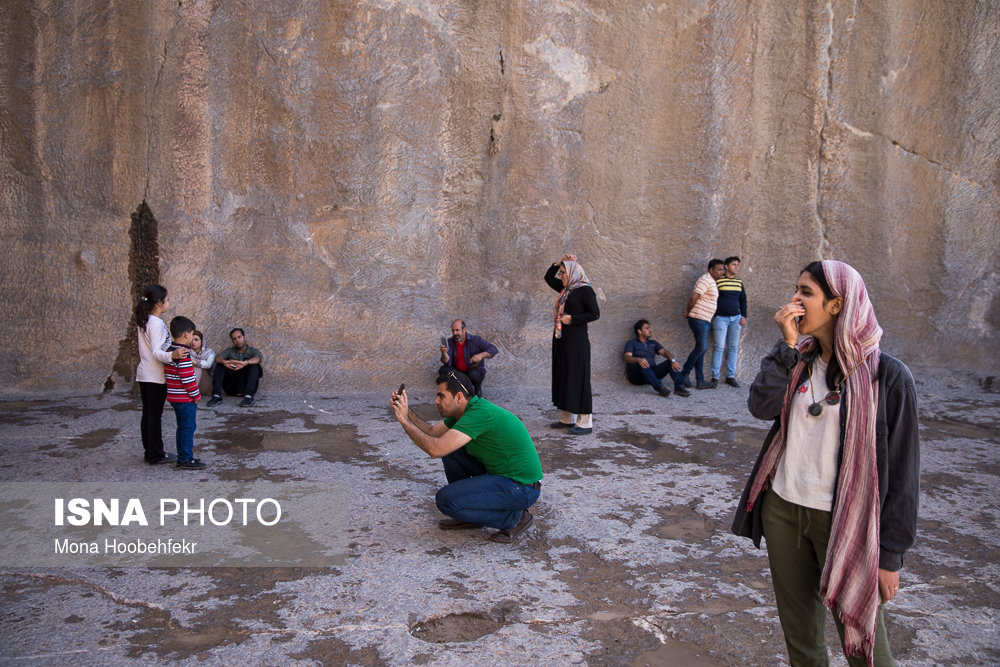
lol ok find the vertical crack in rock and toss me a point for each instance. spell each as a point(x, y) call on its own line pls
point(495, 135)
point(495, 131)
point(143, 269)
point(824, 243)
point(149, 120)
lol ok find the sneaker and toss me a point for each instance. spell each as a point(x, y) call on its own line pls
point(561, 425)
point(247, 402)
point(508, 536)
point(456, 524)
point(577, 430)
point(663, 391)
point(215, 401)
point(705, 384)
point(167, 458)
point(193, 464)
point(681, 391)
point(732, 382)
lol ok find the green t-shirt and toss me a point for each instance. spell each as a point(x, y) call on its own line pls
point(499, 440)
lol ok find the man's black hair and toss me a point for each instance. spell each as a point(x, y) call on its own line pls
point(638, 325)
point(235, 329)
point(734, 258)
point(180, 325)
point(456, 382)
point(714, 262)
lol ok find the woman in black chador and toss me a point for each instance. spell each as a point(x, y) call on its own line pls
point(576, 306)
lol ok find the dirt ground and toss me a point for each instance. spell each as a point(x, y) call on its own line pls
point(630, 560)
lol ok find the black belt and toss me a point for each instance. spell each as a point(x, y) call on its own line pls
point(537, 485)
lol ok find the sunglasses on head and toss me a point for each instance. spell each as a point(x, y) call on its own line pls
point(451, 375)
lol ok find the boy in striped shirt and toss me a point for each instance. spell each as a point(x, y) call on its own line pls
point(183, 394)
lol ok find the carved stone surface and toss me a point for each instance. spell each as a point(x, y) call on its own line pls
point(343, 179)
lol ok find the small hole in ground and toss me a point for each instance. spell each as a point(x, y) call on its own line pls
point(465, 627)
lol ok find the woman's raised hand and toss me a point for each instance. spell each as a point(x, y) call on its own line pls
point(786, 319)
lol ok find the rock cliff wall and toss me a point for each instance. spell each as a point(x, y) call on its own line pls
point(342, 179)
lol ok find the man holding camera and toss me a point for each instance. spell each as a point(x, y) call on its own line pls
point(493, 471)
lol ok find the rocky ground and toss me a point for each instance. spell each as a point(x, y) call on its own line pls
point(630, 560)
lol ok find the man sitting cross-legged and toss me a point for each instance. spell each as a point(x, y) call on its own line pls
point(493, 471)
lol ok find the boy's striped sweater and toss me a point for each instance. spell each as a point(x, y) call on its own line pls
point(182, 384)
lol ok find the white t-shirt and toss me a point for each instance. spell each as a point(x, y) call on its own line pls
point(807, 470)
point(153, 344)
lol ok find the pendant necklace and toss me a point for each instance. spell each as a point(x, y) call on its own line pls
point(833, 397)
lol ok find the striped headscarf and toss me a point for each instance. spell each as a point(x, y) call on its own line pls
point(849, 584)
point(577, 278)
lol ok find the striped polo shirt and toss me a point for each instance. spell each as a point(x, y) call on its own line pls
point(708, 297)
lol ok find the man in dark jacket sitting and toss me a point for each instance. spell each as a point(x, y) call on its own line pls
point(467, 353)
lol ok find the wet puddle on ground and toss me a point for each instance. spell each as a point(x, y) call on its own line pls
point(651, 444)
point(945, 428)
point(674, 652)
point(464, 627)
point(682, 523)
point(334, 443)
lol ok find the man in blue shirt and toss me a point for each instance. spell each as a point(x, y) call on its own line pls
point(641, 366)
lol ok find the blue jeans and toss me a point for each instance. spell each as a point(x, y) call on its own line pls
point(475, 496)
point(726, 336)
point(187, 417)
point(653, 375)
point(696, 359)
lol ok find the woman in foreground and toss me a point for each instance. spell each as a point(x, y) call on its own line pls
point(834, 490)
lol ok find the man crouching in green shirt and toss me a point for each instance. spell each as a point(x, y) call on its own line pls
point(492, 466)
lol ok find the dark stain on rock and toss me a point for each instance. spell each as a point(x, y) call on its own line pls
point(560, 456)
point(94, 439)
point(682, 523)
point(259, 432)
point(335, 651)
point(23, 413)
point(661, 452)
point(249, 596)
point(607, 605)
point(143, 270)
point(464, 627)
point(945, 428)
point(255, 474)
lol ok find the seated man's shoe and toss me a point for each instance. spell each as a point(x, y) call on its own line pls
point(578, 430)
point(681, 391)
point(732, 382)
point(663, 391)
point(247, 402)
point(215, 401)
point(508, 536)
point(193, 464)
point(167, 458)
point(456, 524)
point(561, 425)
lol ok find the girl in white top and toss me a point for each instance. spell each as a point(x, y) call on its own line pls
point(154, 340)
point(203, 360)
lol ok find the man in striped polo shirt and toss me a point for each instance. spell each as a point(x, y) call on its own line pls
point(730, 317)
point(699, 311)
